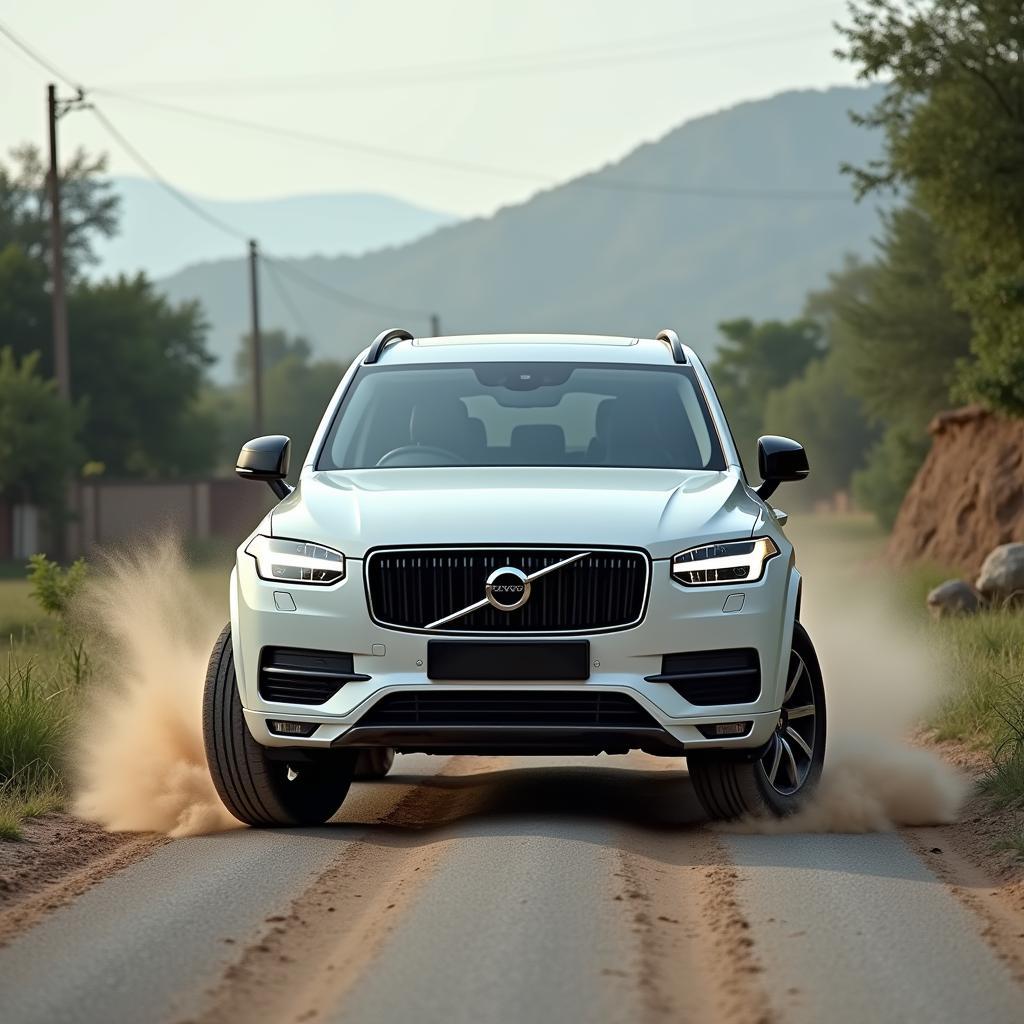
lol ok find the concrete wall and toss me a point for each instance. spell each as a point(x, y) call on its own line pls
point(113, 512)
point(110, 512)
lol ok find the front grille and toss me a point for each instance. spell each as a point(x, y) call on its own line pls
point(514, 708)
point(409, 589)
point(291, 675)
point(713, 677)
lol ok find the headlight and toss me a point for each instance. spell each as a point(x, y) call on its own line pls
point(734, 561)
point(296, 561)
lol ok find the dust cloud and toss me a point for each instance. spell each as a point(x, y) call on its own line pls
point(882, 679)
point(140, 762)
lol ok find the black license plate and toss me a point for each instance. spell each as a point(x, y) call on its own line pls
point(508, 660)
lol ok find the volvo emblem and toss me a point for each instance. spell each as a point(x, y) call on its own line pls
point(507, 589)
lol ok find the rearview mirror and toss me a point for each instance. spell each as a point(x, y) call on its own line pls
point(779, 459)
point(266, 458)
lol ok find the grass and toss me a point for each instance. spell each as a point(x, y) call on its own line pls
point(40, 689)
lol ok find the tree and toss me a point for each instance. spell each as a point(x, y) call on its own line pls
point(295, 392)
point(140, 360)
point(87, 204)
point(894, 325)
point(754, 360)
point(819, 410)
point(898, 338)
point(953, 118)
point(137, 362)
point(37, 434)
point(24, 302)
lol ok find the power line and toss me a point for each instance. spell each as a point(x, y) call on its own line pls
point(405, 76)
point(20, 43)
point(327, 140)
point(340, 295)
point(298, 320)
point(587, 181)
point(180, 196)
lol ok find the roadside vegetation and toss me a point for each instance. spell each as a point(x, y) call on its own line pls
point(45, 678)
point(983, 706)
point(44, 670)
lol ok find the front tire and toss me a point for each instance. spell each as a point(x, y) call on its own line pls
point(255, 788)
point(780, 782)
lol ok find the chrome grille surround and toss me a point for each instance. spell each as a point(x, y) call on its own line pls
point(572, 589)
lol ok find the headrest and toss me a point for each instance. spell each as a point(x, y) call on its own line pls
point(604, 412)
point(440, 422)
point(538, 442)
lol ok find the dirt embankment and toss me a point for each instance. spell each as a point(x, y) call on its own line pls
point(968, 497)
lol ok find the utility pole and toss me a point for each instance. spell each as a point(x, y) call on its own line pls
point(55, 109)
point(256, 350)
point(61, 363)
point(435, 325)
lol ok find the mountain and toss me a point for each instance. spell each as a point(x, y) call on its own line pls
point(594, 256)
point(159, 237)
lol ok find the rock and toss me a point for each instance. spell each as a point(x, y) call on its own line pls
point(1002, 573)
point(954, 597)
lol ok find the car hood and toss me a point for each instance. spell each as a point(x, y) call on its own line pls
point(660, 510)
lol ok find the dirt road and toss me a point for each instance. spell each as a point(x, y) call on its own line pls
point(508, 890)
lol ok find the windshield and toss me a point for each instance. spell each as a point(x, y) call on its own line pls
point(522, 414)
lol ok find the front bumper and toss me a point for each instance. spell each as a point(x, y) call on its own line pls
point(678, 619)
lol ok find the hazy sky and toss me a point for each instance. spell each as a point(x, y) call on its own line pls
point(533, 86)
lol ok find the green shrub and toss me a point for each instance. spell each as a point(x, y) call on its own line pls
point(54, 588)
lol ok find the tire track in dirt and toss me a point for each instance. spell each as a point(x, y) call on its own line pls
point(689, 951)
point(696, 958)
point(78, 857)
point(309, 957)
point(1000, 923)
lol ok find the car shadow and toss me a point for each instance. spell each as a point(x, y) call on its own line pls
point(654, 813)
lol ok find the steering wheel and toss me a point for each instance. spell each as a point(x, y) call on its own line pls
point(427, 450)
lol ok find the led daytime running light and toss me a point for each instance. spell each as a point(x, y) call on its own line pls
point(740, 561)
point(296, 561)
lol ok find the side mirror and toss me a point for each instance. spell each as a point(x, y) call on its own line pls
point(266, 458)
point(779, 459)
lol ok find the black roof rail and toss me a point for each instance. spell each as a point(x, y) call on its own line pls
point(673, 342)
point(382, 341)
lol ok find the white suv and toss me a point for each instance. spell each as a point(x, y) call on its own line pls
point(516, 544)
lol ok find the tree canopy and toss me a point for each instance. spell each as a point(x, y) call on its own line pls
point(37, 433)
point(296, 390)
point(88, 207)
point(953, 121)
point(893, 323)
point(137, 361)
point(752, 361)
point(895, 334)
